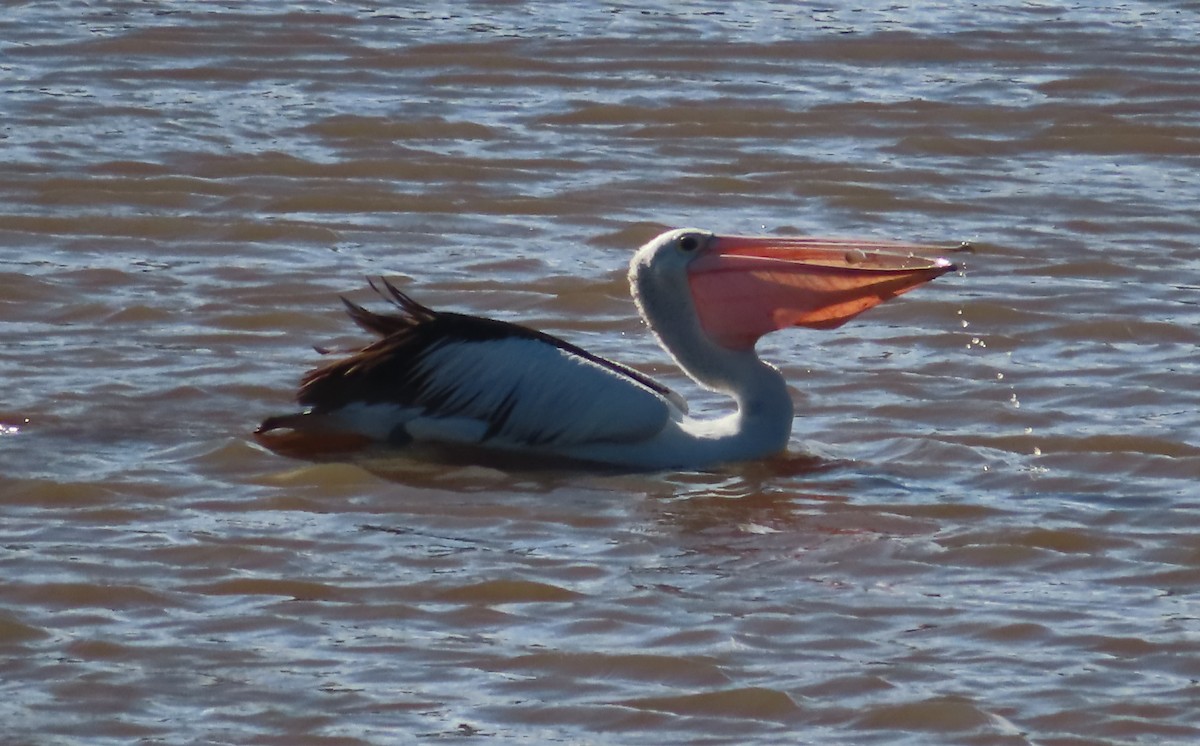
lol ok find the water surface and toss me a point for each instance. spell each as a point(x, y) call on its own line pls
point(984, 531)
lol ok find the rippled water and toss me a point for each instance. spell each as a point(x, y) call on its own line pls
point(985, 531)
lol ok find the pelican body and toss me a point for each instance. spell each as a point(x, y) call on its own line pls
point(464, 382)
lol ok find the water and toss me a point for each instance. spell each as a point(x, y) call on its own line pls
point(984, 532)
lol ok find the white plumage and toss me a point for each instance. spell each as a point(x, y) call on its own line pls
point(455, 380)
point(508, 386)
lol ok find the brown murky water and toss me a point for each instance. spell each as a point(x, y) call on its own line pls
point(985, 533)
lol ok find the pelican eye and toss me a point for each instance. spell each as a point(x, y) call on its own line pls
point(689, 243)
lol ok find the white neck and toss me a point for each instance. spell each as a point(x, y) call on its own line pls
point(763, 421)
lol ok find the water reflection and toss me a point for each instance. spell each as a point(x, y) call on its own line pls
point(187, 190)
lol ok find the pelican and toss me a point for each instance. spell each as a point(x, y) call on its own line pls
point(467, 383)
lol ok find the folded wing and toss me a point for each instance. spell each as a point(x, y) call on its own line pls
point(457, 378)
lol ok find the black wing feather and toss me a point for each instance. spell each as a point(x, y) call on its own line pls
point(391, 370)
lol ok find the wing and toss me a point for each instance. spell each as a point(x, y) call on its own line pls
point(446, 376)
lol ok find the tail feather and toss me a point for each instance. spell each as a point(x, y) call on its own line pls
point(332, 428)
point(308, 436)
point(411, 313)
point(277, 422)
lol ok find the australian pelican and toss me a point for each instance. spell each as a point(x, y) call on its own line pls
point(465, 382)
